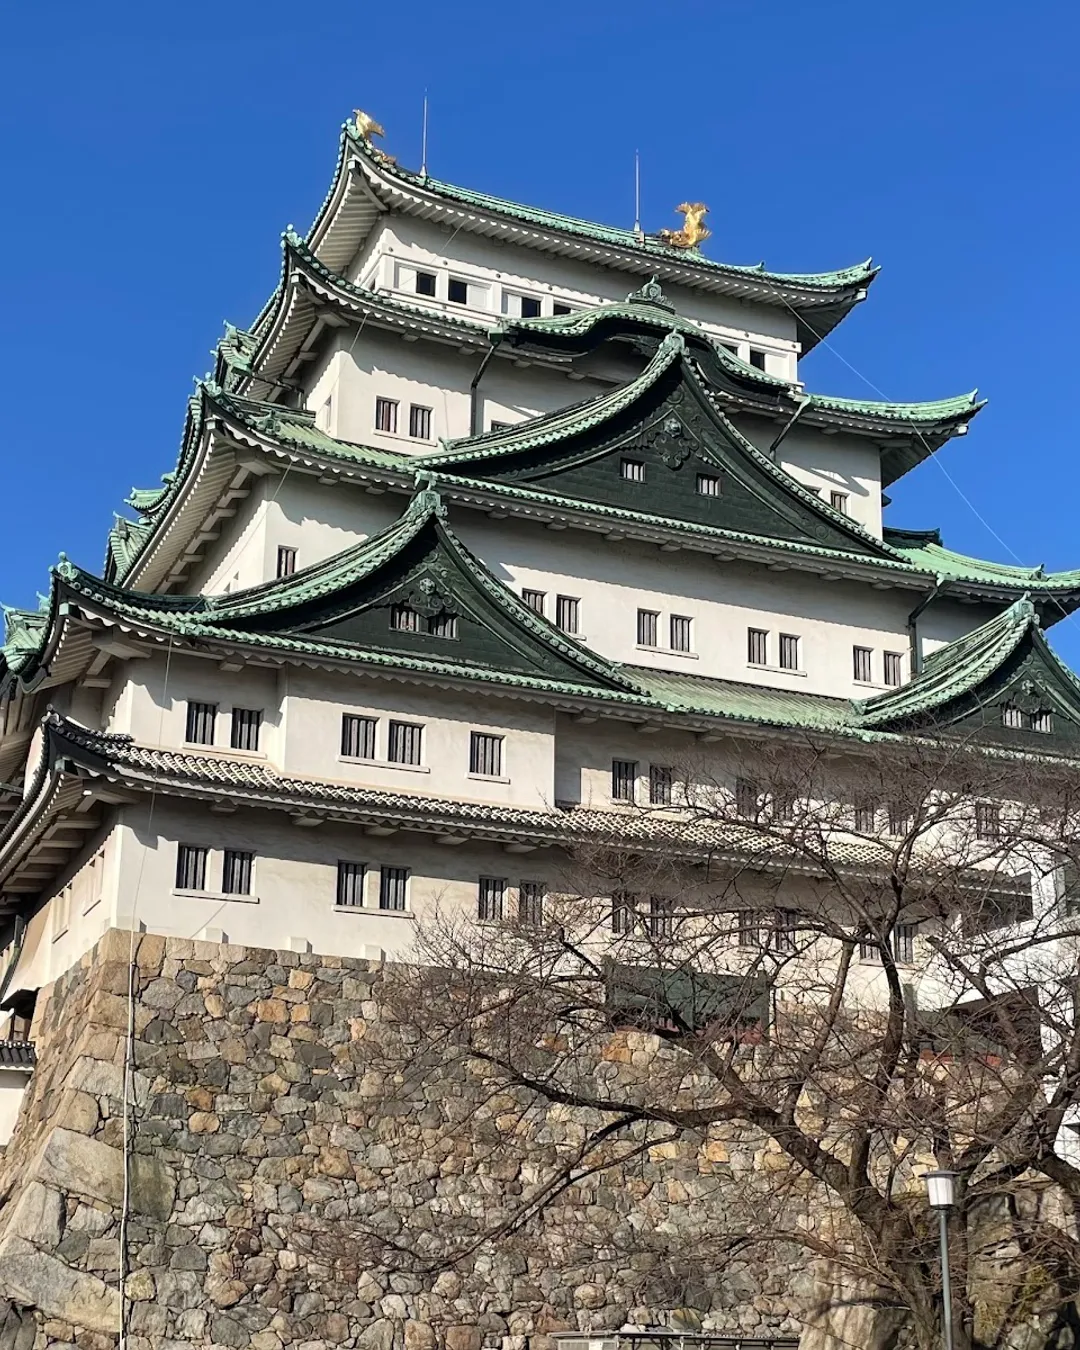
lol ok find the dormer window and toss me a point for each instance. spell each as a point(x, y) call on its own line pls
point(425, 283)
point(633, 470)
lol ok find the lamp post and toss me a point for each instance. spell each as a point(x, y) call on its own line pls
point(941, 1195)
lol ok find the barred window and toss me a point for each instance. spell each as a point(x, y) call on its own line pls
point(404, 619)
point(624, 912)
point(350, 884)
point(623, 780)
point(746, 798)
point(789, 651)
point(201, 718)
point(899, 819)
point(386, 414)
point(236, 872)
point(1011, 716)
point(286, 561)
point(866, 818)
point(901, 942)
point(442, 625)
point(566, 613)
point(757, 646)
point(485, 754)
point(861, 658)
point(783, 805)
point(987, 820)
point(403, 743)
point(708, 485)
point(784, 931)
point(659, 785)
point(419, 422)
point(491, 892)
point(393, 885)
point(838, 501)
point(531, 903)
point(680, 633)
point(661, 916)
point(534, 599)
point(1042, 721)
point(648, 633)
point(894, 669)
point(358, 736)
point(190, 867)
point(246, 725)
point(634, 470)
point(748, 927)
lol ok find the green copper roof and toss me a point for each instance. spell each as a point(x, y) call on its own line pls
point(932, 556)
point(934, 410)
point(740, 702)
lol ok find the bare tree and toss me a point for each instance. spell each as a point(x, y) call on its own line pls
point(852, 968)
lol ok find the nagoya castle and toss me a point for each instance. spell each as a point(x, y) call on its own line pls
point(484, 519)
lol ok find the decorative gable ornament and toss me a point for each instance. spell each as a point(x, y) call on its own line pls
point(426, 597)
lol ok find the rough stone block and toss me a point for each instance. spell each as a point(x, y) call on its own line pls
point(87, 1167)
point(36, 1215)
point(35, 1279)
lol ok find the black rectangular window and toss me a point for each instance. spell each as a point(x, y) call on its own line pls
point(757, 358)
point(490, 895)
point(838, 502)
point(534, 599)
point(623, 912)
point(661, 916)
point(789, 651)
point(236, 872)
point(190, 867)
point(419, 422)
point(746, 798)
point(386, 414)
point(894, 669)
point(757, 646)
point(530, 307)
point(987, 820)
point(659, 785)
point(708, 484)
point(784, 931)
point(623, 780)
point(865, 818)
point(350, 885)
point(648, 633)
point(425, 283)
point(557, 308)
point(748, 926)
point(286, 561)
point(457, 292)
point(861, 657)
point(393, 887)
point(442, 625)
point(246, 726)
point(531, 903)
point(899, 819)
point(201, 718)
point(485, 754)
point(904, 943)
point(634, 470)
point(357, 736)
point(680, 633)
point(403, 743)
point(403, 619)
point(567, 613)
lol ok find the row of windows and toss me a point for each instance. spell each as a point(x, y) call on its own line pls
point(494, 901)
point(679, 630)
point(567, 609)
point(460, 291)
point(624, 782)
point(386, 418)
point(1016, 719)
point(708, 484)
point(404, 619)
point(404, 744)
point(244, 732)
point(237, 874)
point(862, 666)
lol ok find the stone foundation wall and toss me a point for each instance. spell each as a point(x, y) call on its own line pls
point(281, 1177)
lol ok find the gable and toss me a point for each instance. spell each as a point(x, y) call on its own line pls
point(1028, 704)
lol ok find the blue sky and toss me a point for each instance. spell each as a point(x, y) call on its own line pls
point(154, 153)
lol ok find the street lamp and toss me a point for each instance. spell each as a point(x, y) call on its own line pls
point(941, 1195)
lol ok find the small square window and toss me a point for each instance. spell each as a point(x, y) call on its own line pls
point(403, 743)
point(404, 619)
point(531, 903)
point(838, 501)
point(633, 470)
point(419, 422)
point(490, 895)
point(236, 872)
point(861, 658)
point(789, 651)
point(530, 307)
point(746, 798)
point(485, 754)
point(246, 725)
point(393, 887)
point(708, 484)
point(757, 646)
point(681, 631)
point(894, 669)
point(386, 415)
point(442, 625)
point(659, 785)
point(201, 720)
point(534, 599)
point(286, 561)
point(623, 780)
point(757, 358)
point(425, 283)
point(190, 867)
point(648, 633)
point(567, 613)
point(558, 308)
point(457, 292)
point(350, 885)
point(358, 736)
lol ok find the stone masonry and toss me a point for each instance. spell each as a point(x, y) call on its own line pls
point(277, 1167)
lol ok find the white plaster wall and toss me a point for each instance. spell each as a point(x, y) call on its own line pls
point(825, 464)
point(237, 559)
point(12, 1086)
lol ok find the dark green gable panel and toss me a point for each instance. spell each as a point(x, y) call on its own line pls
point(1025, 705)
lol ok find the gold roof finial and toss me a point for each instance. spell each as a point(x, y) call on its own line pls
point(366, 128)
point(693, 231)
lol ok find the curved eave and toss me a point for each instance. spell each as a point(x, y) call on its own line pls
point(819, 300)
